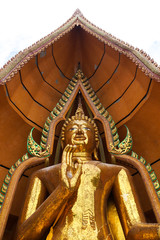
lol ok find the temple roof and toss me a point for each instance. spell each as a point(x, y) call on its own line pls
point(124, 79)
point(139, 57)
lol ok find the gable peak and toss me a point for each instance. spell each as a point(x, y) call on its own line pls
point(77, 13)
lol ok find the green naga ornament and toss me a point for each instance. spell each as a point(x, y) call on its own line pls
point(125, 146)
point(35, 149)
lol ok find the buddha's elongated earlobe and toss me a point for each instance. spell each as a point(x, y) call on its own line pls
point(95, 154)
point(62, 143)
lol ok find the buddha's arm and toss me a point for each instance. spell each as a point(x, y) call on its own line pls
point(130, 212)
point(37, 224)
point(42, 215)
point(127, 201)
point(35, 196)
point(144, 231)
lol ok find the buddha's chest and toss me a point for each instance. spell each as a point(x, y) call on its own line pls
point(89, 181)
point(81, 217)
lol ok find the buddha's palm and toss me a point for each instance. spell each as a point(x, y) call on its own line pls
point(70, 172)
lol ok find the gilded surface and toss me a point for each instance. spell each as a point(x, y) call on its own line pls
point(83, 221)
point(79, 189)
point(112, 216)
point(130, 209)
point(33, 201)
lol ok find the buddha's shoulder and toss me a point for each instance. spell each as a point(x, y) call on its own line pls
point(109, 166)
point(47, 170)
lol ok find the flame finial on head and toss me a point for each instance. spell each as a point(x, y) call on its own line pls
point(79, 112)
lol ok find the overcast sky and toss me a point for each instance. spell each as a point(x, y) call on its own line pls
point(22, 23)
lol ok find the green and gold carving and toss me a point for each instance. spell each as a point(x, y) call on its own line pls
point(35, 149)
point(8, 178)
point(99, 107)
point(125, 146)
point(135, 155)
point(53, 114)
point(150, 171)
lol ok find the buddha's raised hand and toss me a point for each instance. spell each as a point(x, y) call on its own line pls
point(70, 171)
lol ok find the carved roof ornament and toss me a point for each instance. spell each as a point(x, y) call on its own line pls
point(115, 146)
point(79, 74)
point(139, 57)
point(77, 13)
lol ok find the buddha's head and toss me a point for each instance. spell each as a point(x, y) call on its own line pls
point(81, 132)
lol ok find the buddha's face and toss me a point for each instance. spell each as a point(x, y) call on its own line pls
point(82, 134)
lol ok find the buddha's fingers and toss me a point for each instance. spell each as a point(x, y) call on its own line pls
point(69, 155)
point(67, 148)
point(74, 180)
point(64, 166)
point(70, 160)
point(71, 163)
point(64, 177)
point(64, 154)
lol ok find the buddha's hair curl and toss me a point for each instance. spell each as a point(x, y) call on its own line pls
point(79, 115)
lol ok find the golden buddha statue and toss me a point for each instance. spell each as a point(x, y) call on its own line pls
point(72, 200)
